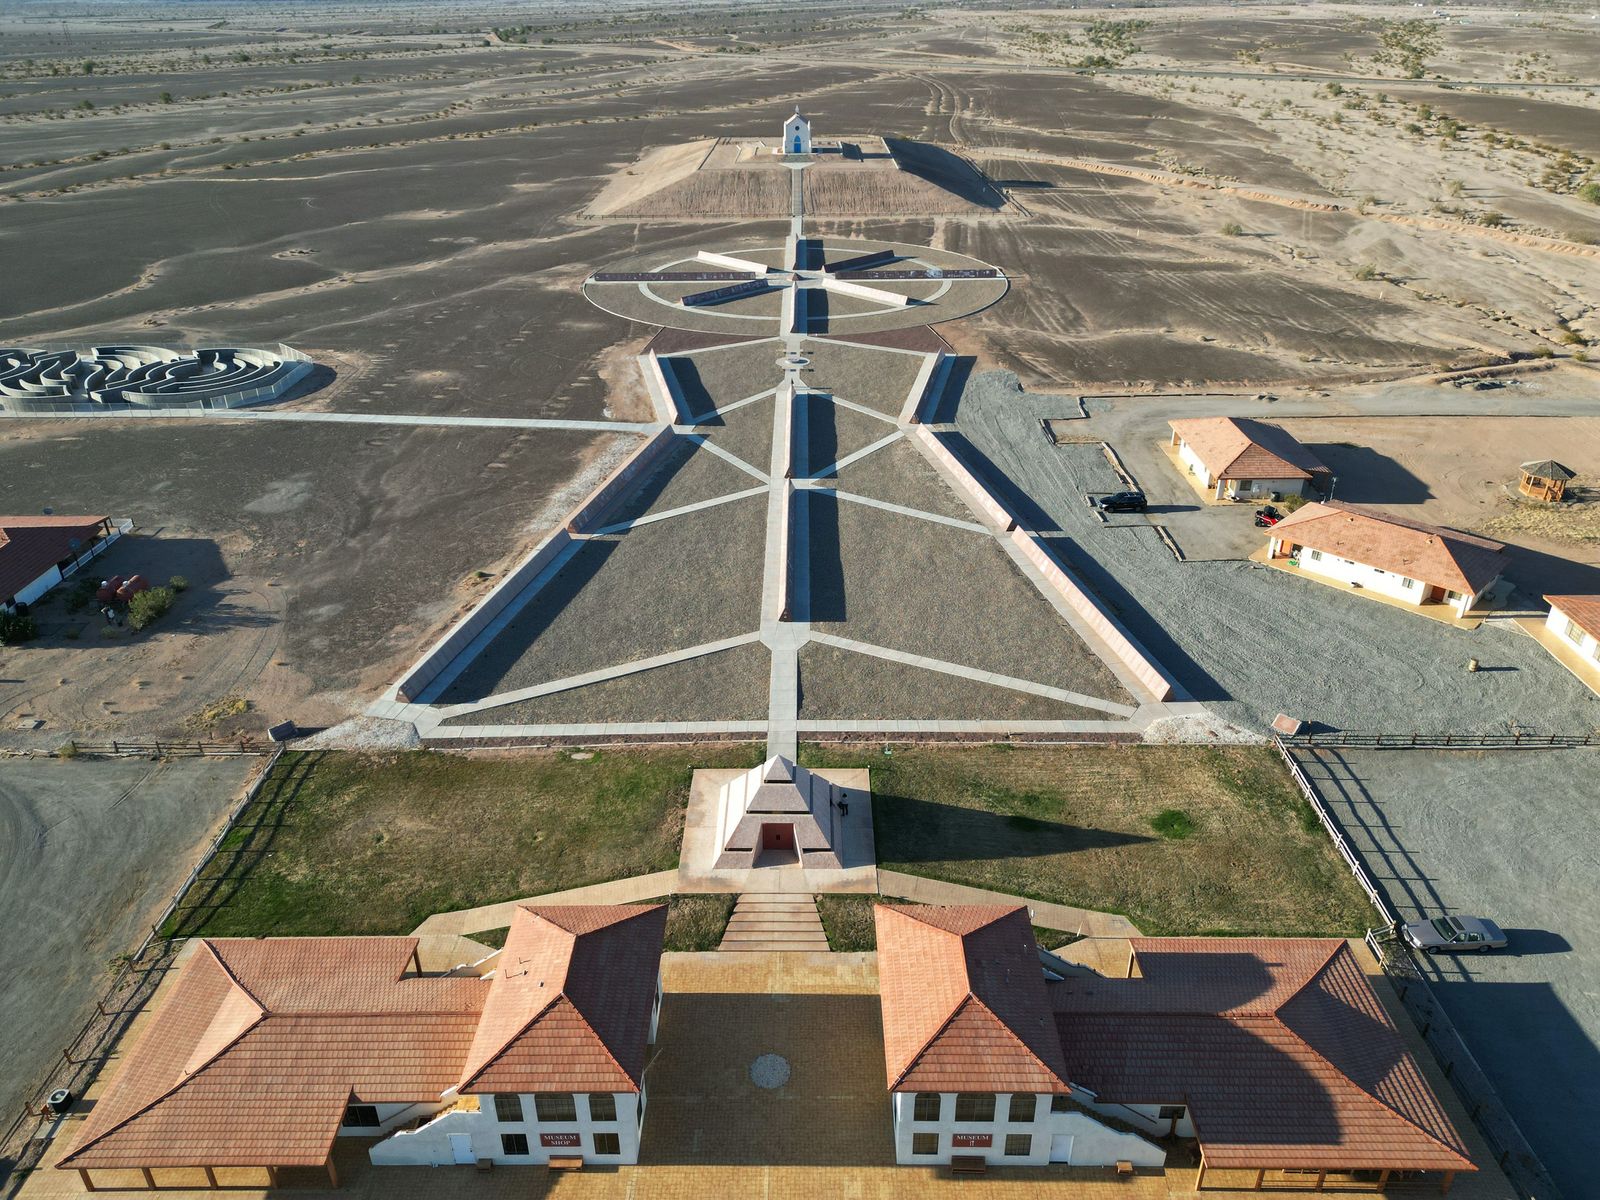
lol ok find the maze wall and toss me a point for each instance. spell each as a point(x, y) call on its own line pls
point(106, 378)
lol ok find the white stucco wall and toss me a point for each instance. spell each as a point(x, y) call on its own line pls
point(796, 125)
point(1091, 1143)
point(1190, 459)
point(1343, 570)
point(1264, 487)
point(39, 586)
point(431, 1144)
point(1583, 643)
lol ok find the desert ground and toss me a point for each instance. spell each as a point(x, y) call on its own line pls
point(1373, 224)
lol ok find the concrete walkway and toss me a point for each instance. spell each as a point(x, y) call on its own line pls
point(1048, 916)
point(498, 916)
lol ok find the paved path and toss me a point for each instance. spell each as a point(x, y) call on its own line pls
point(498, 916)
point(1049, 916)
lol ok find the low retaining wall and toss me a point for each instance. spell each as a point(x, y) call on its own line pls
point(930, 381)
point(671, 405)
point(445, 650)
point(1130, 653)
point(635, 465)
point(980, 496)
point(863, 292)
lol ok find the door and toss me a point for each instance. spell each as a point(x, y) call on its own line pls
point(1061, 1148)
point(777, 837)
point(461, 1148)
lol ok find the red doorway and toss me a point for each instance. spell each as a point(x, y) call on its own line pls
point(777, 845)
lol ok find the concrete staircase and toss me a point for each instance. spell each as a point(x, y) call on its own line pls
point(774, 921)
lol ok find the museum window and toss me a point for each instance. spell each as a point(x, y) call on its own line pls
point(1574, 633)
point(927, 1107)
point(1060, 1104)
point(1408, 583)
point(1019, 1145)
point(1023, 1106)
point(974, 1106)
point(602, 1106)
point(924, 1143)
point(607, 1143)
point(556, 1106)
point(513, 1143)
point(507, 1108)
point(1315, 556)
point(1171, 1112)
point(361, 1116)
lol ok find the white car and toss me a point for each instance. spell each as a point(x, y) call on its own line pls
point(1454, 933)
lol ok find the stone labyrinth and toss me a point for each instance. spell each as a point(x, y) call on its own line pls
point(792, 551)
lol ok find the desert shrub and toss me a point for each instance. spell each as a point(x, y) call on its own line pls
point(69, 750)
point(1492, 219)
point(179, 583)
point(1366, 271)
point(1590, 192)
point(1291, 502)
point(1232, 229)
point(149, 606)
point(16, 628)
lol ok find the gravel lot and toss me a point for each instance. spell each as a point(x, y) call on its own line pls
point(658, 588)
point(841, 685)
point(922, 588)
point(898, 474)
point(90, 852)
point(1253, 642)
point(728, 686)
point(1504, 834)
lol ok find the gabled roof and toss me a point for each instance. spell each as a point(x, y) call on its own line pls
point(1585, 610)
point(262, 1043)
point(569, 1007)
point(1446, 558)
point(1279, 1047)
point(1239, 448)
point(30, 546)
point(964, 1004)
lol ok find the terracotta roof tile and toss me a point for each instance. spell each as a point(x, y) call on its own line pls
point(964, 1005)
point(30, 546)
point(1446, 558)
point(1279, 1048)
point(1585, 610)
point(569, 1008)
point(1239, 448)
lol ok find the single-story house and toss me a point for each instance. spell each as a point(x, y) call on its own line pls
point(1274, 1055)
point(36, 553)
point(1238, 458)
point(1401, 559)
point(267, 1049)
point(1576, 621)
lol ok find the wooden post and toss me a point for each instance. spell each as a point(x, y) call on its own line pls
point(149, 1179)
point(1321, 1178)
point(1444, 1186)
point(85, 1179)
point(211, 1178)
point(333, 1173)
point(1200, 1179)
point(272, 1177)
point(1383, 1179)
point(1261, 1175)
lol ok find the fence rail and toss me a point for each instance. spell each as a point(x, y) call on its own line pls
point(131, 986)
point(1454, 741)
point(171, 749)
point(1512, 1151)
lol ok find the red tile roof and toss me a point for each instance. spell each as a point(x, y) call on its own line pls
point(30, 546)
point(1279, 1047)
point(569, 1009)
point(263, 1042)
point(1585, 610)
point(964, 1005)
point(1239, 448)
point(1446, 558)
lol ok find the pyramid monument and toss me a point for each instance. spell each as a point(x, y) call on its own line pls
point(779, 813)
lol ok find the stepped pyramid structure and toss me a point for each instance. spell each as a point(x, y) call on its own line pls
point(779, 813)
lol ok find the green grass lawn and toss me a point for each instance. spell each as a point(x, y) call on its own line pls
point(346, 843)
point(1084, 826)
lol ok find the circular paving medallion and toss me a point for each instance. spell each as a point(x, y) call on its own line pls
point(770, 1071)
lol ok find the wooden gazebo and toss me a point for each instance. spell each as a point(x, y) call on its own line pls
point(1544, 480)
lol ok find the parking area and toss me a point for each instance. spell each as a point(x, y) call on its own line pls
point(1505, 834)
point(90, 851)
point(1246, 640)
